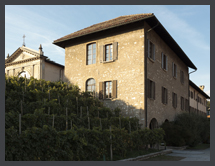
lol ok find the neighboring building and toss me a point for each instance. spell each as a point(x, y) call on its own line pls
point(198, 97)
point(133, 63)
point(27, 62)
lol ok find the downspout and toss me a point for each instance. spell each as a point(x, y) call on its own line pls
point(189, 88)
point(145, 69)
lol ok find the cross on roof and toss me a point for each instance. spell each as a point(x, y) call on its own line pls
point(23, 40)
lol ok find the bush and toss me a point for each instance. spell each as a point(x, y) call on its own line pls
point(187, 129)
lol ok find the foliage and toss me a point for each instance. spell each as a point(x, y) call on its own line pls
point(187, 129)
point(60, 123)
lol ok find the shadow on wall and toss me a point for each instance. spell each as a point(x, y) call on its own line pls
point(127, 110)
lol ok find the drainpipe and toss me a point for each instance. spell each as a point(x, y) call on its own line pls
point(189, 88)
point(145, 69)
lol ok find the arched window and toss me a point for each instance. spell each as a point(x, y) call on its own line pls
point(153, 124)
point(91, 85)
point(24, 74)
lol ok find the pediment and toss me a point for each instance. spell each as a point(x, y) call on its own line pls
point(22, 53)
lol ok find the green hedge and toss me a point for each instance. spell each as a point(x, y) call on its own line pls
point(187, 129)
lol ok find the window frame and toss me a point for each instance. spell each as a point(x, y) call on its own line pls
point(151, 50)
point(109, 53)
point(174, 100)
point(87, 55)
point(182, 77)
point(174, 70)
point(164, 95)
point(164, 61)
point(91, 85)
point(182, 103)
point(107, 84)
point(151, 89)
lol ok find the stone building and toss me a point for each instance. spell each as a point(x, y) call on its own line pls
point(198, 97)
point(130, 62)
point(27, 62)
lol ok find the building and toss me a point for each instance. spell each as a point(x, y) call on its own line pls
point(198, 97)
point(27, 62)
point(133, 63)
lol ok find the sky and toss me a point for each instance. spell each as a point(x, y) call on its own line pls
point(189, 25)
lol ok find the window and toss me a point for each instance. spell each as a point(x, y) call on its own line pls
point(109, 52)
point(151, 50)
point(91, 53)
point(164, 62)
point(108, 89)
point(8, 72)
point(91, 85)
point(164, 95)
point(174, 100)
point(186, 105)
point(174, 70)
point(151, 89)
point(182, 103)
point(182, 77)
point(191, 95)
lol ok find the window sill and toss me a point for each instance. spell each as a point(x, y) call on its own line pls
point(151, 99)
point(175, 77)
point(108, 61)
point(164, 69)
point(152, 60)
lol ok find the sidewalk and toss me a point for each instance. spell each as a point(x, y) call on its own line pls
point(192, 155)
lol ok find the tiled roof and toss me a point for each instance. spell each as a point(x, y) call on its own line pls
point(106, 25)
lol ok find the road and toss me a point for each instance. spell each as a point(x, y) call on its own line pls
point(192, 155)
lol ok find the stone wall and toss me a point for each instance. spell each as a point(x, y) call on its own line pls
point(155, 108)
point(128, 70)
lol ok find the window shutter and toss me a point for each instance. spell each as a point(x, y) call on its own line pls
point(153, 52)
point(175, 71)
point(148, 88)
point(148, 48)
point(166, 63)
point(166, 96)
point(104, 90)
point(101, 90)
point(153, 84)
point(104, 54)
point(115, 50)
point(162, 61)
point(162, 92)
point(114, 88)
point(175, 100)
point(172, 99)
point(101, 54)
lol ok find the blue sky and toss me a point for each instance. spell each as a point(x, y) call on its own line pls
point(189, 25)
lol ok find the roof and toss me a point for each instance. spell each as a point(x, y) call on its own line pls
point(9, 61)
point(124, 20)
point(198, 89)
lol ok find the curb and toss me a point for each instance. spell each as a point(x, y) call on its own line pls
point(144, 157)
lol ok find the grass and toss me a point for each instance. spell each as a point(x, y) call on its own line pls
point(199, 147)
point(165, 158)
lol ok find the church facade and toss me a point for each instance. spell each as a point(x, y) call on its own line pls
point(28, 63)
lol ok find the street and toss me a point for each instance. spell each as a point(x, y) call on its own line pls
point(192, 155)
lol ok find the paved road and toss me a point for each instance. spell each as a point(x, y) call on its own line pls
point(192, 155)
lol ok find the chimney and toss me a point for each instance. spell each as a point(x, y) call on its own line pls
point(8, 55)
point(202, 87)
point(40, 50)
